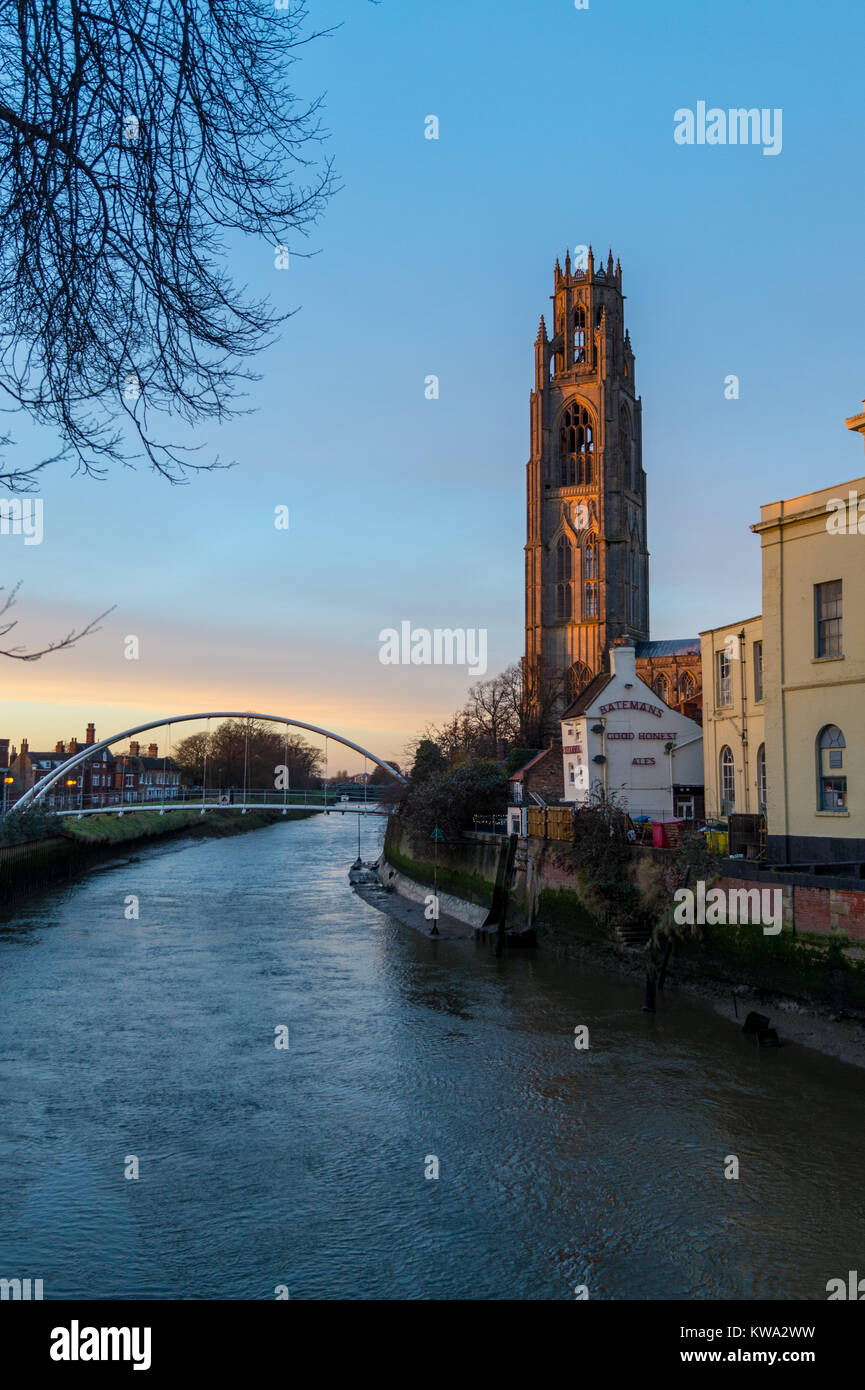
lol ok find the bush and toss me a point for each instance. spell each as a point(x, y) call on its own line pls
point(450, 799)
point(33, 824)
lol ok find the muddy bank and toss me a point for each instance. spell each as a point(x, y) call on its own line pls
point(393, 893)
point(806, 1024)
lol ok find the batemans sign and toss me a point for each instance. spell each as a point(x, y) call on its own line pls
point(633, 704)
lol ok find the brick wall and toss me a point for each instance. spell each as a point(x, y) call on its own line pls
point(823, 910)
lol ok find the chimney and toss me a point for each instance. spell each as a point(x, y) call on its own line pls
point(153, 750)
point(91, 734)
point(134, 750)
point(4, 752)
point(73, 745)
point(623, 662)
point(60, 747)
point(25, 745)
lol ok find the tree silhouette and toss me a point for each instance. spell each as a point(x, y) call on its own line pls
point(135, 136)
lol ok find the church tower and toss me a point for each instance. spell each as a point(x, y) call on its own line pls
point(586, 555)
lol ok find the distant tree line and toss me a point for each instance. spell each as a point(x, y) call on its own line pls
point(262, 750)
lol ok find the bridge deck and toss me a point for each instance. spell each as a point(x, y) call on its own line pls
point(356, 808)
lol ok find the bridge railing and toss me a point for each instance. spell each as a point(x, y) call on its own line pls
point(72, 799)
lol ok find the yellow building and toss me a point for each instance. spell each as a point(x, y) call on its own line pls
point(734, 746)
point(813, 552)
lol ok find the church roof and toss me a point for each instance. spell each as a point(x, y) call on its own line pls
point(587, 696)
point(673, 646)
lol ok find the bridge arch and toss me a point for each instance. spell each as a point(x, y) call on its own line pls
point(38, 790)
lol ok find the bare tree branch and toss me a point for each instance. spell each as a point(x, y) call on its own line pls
point(19, 653)
point(134, 134)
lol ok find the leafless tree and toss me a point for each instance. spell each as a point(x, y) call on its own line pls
point(493, 712)
point(135, 137)
point(21, 653)
point(543, 697)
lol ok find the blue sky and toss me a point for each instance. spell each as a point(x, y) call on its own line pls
point(556, 128)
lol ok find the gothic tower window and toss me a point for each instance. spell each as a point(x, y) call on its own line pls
point(662, 688)
point(564, 571)
point(591, 561)
point(576, 447)
point(626, 447)
point(686, 686)
point(632, 587)
point(591, 607)
point(577, 679)
point(579, 334)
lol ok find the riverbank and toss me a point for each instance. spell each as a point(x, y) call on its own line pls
point(804, 986)
point(81, 843)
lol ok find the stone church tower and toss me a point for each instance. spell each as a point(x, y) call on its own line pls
point(586, 555)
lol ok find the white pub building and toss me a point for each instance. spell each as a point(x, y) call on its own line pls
point(620, 738)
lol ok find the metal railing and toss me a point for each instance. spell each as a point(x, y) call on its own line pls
point(158, 798)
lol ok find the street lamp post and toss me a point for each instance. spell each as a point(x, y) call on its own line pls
point(7, 781)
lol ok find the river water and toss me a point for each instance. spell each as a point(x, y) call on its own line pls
point(304, 1167)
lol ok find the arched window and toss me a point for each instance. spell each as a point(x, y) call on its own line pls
point(552, 365)
point(728, 782)
point(662, 688)
point(576, 447)
point(761, 777)
point(564, 573)
point(831, 774)
point(577, 679)
point(687, 686)
point(579, 334)
point(590, 562)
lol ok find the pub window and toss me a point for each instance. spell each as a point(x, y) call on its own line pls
point(758, 670)
point(728, 782)
point(761, 777)
point(831, 776)
point(723, 679)
point(827, 614)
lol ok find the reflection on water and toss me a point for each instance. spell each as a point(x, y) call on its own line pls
point(305, 1167)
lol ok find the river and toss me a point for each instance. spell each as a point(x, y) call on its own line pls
point(302, 1168)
